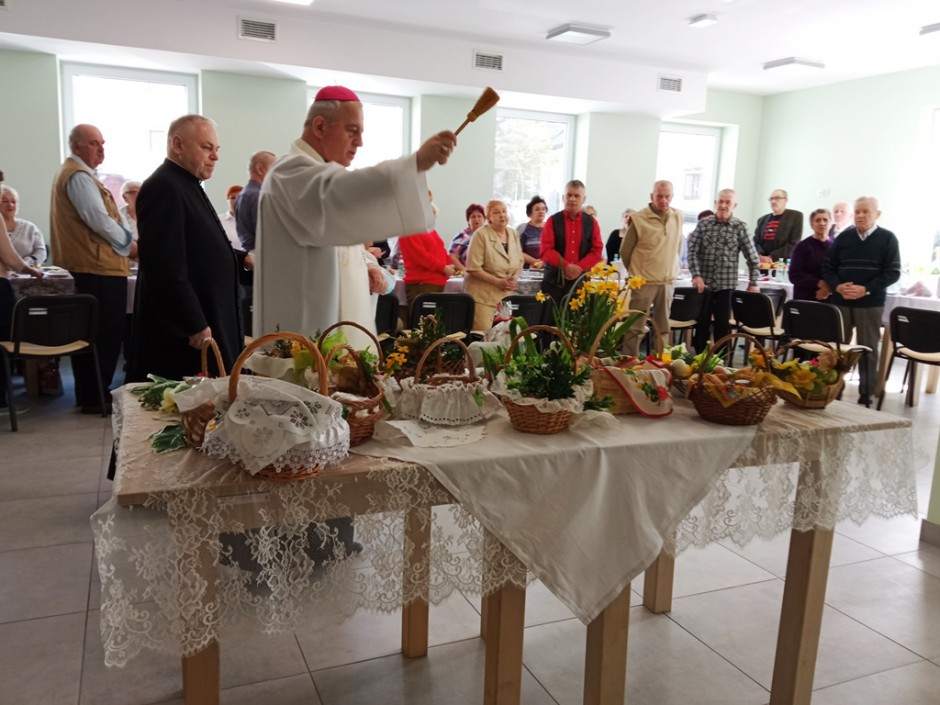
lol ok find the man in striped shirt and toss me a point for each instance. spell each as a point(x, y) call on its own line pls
point(713, 260)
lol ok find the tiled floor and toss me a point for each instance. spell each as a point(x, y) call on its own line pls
point(880, 642)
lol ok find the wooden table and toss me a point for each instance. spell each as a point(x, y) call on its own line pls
point(813, 439)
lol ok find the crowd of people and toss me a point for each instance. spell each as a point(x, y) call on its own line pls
point(305, 240)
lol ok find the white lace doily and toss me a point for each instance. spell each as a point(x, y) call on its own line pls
point(575, 404)
point(275, 423)
point(422, 435)
point(455, 403)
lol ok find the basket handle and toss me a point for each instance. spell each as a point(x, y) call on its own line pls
point(796, 343)
point(620, 316)
point(353, 324)
point(551, 329)
point(436, 344)
point(273, 338)
point(204, 357)
point(353, 353)
point(699, 383)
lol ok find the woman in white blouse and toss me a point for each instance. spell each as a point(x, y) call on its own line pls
point(26, 237)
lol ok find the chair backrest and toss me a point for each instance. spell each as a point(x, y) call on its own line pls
point(456, 310)
point(686, 304)
point(54, 320)
point(776, 296)
point(386, 314)
point(752, 309)
point(530, 308)
point(813, 320)
point(915, 328)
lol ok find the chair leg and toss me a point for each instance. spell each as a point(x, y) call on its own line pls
point(9, 383)
point(884, 387)
point(94, 357)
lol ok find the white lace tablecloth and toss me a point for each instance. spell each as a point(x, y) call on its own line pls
point(586, 511)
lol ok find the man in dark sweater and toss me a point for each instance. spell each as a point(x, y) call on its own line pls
point(860, 266)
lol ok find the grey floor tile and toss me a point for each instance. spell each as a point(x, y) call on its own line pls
point(889, 536)
point(891, 597)
point(741, 625)
point(714, 568)
point(771, 555)
point(46, 521)
point(40, 444)
point(665, 665)
point(927, 559)
point(453, 620)
point(451, 674)
point(43, 582)
point(41, 660)
point(917, 684)
point(50, 478)
point(250, 656)
point(295, 690)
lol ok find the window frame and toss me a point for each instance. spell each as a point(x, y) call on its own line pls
point(401, 101)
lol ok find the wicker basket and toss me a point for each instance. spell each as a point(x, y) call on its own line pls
point(747, 411)
point(361, 415)
point(270, 473)
point(821, 399)
point(604, 385)
point(195, 420)
point(525, 417)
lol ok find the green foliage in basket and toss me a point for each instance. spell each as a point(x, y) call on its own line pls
point(546, 375)
point(168, 438)
point(408, 350)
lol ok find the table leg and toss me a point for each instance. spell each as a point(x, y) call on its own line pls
point(605, 659)
point(932, 376)
point(657, 584)
point(201, 677)
point(414, 616)
point(883, 358)
point(801, 617)
point(505, 611)
point(484, 611)
point(913, 385)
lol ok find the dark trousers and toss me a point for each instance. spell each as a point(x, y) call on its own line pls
point(111, 293)
point(6, 323)
point(551, 287)
point(718, 307)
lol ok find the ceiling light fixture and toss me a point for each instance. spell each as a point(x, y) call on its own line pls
point(703, 21)
point(297, 2)
point(793, 61)
point(928, 28)
point(578, 34)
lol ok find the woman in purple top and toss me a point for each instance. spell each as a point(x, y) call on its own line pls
point(530, 234)
point(807, 258)
point(476, 218)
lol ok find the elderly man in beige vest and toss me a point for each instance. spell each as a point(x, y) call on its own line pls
point(651, 250)
point(89, 240)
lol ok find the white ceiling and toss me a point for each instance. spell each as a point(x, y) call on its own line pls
point(853, 38)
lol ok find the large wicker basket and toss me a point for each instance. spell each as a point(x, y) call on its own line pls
point(525, 417)
point(604, 385)
point(195, 420)
point(361, 414)
point(821, 399)
point(750, 410)
point(270, 473)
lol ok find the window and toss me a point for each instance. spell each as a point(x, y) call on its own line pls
point(688, 157)
point(133, 110)
point(387, 121)
point(533, 156)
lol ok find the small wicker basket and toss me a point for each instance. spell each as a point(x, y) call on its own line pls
point(270, 473)
point(750, 410)
point(362, 415)
point(821, 399)
point(526, 417)
point(604, 385)
point(195, 420)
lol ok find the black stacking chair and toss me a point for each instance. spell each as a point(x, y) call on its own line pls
point(776, 296)
point(684, 312)
point(754, 315)
point(532, 310)
point(456, 310)
point(813, 320)
point(915, 337)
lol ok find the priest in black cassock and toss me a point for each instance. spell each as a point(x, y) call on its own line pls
point(187, 286)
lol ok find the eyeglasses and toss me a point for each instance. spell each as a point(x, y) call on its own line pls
point(776, 198)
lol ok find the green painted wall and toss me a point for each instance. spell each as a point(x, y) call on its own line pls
point(468, 175)
point(30, 143)
point(251, 114)
point(865, 137)
point(933, 510)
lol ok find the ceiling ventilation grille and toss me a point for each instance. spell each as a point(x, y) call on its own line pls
point(487, 61)
point(259, 30)
point(670, 84)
